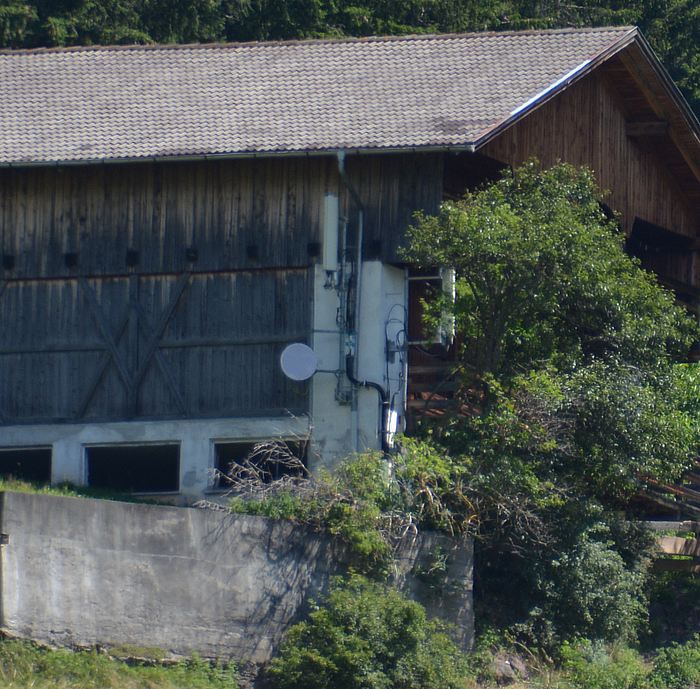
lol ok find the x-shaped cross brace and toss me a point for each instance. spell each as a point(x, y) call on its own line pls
point(112, 353)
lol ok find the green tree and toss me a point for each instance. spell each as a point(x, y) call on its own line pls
point(568, 344)
point(571, 396)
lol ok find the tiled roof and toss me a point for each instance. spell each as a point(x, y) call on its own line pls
point(140, 101)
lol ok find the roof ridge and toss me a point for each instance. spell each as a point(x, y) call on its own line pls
point(309, 41)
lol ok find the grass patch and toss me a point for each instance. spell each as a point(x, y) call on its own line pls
point(129, 651)
point(25, 664)
point(70, 490)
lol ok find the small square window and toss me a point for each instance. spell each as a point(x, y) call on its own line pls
point(29, 464)
point(271, 457)
point(135, 468)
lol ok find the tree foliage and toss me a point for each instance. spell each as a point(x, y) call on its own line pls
point(368, 637)
point(570, 348)
point(543, 276)
point(571, 397)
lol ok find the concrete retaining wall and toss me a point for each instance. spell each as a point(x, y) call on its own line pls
point(77, 571)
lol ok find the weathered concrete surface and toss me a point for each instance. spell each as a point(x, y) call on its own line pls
point(77, 571)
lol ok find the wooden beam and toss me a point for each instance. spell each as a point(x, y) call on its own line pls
point(107, 335)
point(287, 338)
point(55, 349)
point(664, 525)
point(171, 344)
point(673, 545)
point(101, 368)
point(447, 368)
point(436, 387)
point(684, 491)
point(160, 359)
point(429, 404)
point(661, 111)
point(676, 566)
point(156, 334)
point(666, 501)
point(656, 128)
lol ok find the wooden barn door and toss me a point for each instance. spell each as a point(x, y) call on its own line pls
point(188, 345)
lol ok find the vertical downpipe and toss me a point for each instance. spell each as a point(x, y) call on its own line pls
point(330, 234)
point(354, 411)
point(351, 361)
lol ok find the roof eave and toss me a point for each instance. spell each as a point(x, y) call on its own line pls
point(679, 99)
point(243, 155)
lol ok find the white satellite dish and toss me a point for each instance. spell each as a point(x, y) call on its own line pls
point(298, 361)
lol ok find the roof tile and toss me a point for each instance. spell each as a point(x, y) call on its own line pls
point(151, 101)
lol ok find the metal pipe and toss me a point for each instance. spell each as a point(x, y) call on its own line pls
point(351, 360)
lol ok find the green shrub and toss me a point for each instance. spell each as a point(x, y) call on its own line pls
point(367, 637)
point(594, 594)
point(349, 503)
point(596, 666)
point(678, 666)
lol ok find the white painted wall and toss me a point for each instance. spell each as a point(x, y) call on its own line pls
point(196, 439)
point(382, 316)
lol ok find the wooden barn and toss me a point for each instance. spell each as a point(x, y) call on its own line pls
point(173, 218)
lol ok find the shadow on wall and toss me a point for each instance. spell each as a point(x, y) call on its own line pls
point(81, 571)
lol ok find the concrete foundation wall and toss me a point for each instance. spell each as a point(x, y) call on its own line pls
point(77, 571)
point(196, 439)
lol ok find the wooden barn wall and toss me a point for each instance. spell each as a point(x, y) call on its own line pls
point(170, 337)
point(85, 349)
point(584, 126)
point(237, 214)
point(392, 188)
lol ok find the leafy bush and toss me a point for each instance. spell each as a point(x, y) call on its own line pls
point(571, 397)
point(367, 637)
point(351, 504)
point(595, 666)
point(593, 594)
point(369, 502)
point(678, 666)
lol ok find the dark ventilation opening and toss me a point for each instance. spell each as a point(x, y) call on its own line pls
point(647, 238)
point(271, 457)
point(30, 464)
point(467, 172)
point(135, 468)
point(667, 254)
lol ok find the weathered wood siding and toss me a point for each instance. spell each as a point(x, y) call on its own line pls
point(392, 189)
point(170, 337)
point(585, 126)
point(160, 210)
point(237, 214)
point(217, 355)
